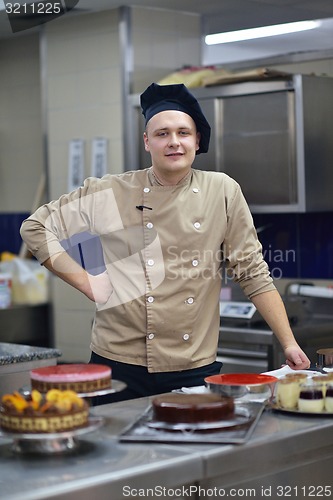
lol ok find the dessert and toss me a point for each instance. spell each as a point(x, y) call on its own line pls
point(312, 395)
point(296, 376)
point(55, 411)
point(288, 389)
point(80, 377)
point(192, 408)
point(311, 398)
point(323, 380)
point(329, 397)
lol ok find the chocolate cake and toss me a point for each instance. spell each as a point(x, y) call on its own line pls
point(192, 408)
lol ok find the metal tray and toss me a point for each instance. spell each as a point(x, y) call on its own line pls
point(274, 406)
point(50, 443)
point(234, 431)
point(117, 386)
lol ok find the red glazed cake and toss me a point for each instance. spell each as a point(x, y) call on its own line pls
point(192, 408)
point(55, 411)
point(80, 377)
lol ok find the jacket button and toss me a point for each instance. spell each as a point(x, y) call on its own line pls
point(151, 336)
point(195, 263)
point(186, 336)
point(150, 225)
point(190, 300)
point(197, 225)
point(150, 262)
point(146, 190)
point(195, 190)
point(150, 299)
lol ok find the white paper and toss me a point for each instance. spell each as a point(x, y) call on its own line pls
point(75, 164)
point(281, 372)
point(99, 157)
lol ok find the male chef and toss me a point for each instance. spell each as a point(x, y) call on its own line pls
point(166, 232)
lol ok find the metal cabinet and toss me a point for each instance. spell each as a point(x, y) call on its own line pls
point(272, 136)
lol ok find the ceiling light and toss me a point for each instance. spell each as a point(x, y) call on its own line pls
point(264, 31)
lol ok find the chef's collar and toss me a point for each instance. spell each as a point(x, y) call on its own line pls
point(154, 181)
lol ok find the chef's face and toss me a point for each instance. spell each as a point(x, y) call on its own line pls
point(172, 140)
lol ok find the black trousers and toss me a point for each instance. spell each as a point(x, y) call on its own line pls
point(141, 383)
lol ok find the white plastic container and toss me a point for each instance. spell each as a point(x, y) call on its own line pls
point(5, 290)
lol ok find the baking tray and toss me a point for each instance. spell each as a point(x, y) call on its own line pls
point(276, 407)
point(237, 431)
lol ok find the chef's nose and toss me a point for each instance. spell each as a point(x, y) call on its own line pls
point(173, 140)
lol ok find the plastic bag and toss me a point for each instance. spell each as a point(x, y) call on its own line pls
point(29, 280)
point(190, 76)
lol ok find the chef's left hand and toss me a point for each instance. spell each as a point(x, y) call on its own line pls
point(296, 359)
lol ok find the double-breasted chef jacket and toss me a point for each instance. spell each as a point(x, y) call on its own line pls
point(163, 248)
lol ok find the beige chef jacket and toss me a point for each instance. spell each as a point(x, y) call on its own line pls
point(163, 248)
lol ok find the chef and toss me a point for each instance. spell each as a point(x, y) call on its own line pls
point(166, 233)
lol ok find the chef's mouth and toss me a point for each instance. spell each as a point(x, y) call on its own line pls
point(174, 154)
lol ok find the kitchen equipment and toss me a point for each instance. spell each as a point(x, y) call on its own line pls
point(248, 345)
point(325, 359)
point(310, 290)
point(238, 385)
point(241, 310)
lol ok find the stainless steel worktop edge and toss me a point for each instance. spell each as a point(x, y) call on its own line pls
point(104, 467)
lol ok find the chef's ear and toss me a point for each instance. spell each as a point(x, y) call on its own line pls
point(146, 142)
point(197, 145)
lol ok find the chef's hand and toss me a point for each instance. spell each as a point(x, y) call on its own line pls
point(296, 359)
point(100, 288)
point(97, 288)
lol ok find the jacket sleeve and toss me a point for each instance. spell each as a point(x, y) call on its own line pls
point(57, 221)
point(242, 250)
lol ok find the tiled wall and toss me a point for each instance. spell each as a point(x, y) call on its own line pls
point(21, 153)
point(83, 88)
point(163, 41)
point(298, 245)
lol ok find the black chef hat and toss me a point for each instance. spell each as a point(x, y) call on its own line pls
point(157, 98)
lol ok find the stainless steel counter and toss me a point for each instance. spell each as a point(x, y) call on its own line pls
point(284, 450)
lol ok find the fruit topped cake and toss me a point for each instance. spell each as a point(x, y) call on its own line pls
point(178, 408)
point(55, 411)
point(79, 377)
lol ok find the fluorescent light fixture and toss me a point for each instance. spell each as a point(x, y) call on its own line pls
point(262, 32)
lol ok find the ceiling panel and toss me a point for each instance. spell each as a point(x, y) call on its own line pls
point(222, 15)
